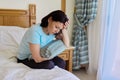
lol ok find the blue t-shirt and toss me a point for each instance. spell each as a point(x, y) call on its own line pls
point(34, 35)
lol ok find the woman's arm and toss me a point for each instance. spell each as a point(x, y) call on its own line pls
point(65, 37)
point(35, 50)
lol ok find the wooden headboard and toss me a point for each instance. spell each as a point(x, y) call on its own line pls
point(22, 18)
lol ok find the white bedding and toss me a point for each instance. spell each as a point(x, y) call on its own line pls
point(11, 70)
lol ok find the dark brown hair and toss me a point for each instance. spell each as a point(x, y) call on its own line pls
point(56, 15)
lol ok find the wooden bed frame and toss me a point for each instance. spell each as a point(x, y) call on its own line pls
point(22, 18)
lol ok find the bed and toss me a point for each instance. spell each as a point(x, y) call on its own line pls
point(13, 25)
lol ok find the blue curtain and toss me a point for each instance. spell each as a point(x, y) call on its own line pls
point(85, 13)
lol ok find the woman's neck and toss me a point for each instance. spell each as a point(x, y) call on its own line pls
point(45, 30)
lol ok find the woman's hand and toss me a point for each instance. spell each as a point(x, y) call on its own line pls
point(65, 25)
point(41, 60)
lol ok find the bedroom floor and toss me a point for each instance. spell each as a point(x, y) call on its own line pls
point(83, 75)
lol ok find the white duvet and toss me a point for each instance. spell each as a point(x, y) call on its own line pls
point(11, 70)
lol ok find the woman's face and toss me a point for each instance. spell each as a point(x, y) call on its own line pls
point(54, 27)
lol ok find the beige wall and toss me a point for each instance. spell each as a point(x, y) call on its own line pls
point(69, 12)
point(43, 7)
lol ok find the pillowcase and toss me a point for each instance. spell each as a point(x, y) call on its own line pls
point(52, 49)
point(11, 35)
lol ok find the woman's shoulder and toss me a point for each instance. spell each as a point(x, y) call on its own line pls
point(36, 27)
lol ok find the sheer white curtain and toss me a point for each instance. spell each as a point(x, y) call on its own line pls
point(116, 62)
point(109, 68)
point(94, 40)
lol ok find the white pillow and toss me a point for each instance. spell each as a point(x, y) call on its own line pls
point(11, 35)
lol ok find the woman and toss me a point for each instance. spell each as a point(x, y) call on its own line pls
point(52, 26)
